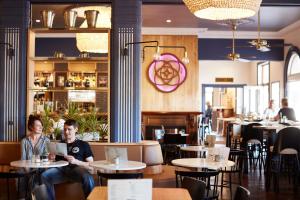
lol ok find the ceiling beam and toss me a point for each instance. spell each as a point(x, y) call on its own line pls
point(264, 2)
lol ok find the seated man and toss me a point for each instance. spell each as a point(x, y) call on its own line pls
point(286, 111)
point(79, 156)
point(269, 112)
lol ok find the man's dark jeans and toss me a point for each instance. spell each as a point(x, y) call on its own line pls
point(69, 173)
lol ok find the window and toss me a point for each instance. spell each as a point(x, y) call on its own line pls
point(263, 73)
point(293, 82)
point(275, 94)
point(263, 80)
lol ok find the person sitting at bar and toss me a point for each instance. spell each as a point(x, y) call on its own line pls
point(79, 156)
point(35, 143)
point(269, 112)
point(286, 111)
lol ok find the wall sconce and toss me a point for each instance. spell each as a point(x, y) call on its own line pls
point(185, 58)
point(11, 51)
point(156, 56)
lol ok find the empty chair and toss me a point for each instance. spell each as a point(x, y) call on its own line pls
point(171, 150)
point(242, 194)
point(210, 177)
point(6, 172)
point(195, 187)
point(237, 156)
point(106, 176)
point(253, 142)
point(285, 156)
point(236, 136)
point(40, 193)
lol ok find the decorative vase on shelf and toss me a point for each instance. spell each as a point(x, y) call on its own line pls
point(87, 83)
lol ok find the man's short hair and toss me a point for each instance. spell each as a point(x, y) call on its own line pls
point(284, 102)
point(72, 122)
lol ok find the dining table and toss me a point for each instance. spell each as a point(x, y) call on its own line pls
point(202, 163)
point(100, 193)
point(121, 166)
point(38, 165)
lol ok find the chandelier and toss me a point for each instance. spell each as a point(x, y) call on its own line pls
point(223, 9)
point(94, 42)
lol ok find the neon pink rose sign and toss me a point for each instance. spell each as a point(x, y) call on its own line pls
point(168, 73)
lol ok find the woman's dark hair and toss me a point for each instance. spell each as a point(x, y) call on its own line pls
point(32, 119)
point(72, 122)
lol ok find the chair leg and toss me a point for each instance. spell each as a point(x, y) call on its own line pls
point(7, 183)
point(222, 183)
point(230, 185)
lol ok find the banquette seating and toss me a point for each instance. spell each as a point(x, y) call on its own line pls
point(148, 152)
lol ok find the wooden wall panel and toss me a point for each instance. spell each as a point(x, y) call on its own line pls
point(187, 96)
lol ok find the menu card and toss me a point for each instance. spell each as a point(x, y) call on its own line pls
point(133, 189)
point(57, 148)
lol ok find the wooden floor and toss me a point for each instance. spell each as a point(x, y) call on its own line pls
point(253, 181)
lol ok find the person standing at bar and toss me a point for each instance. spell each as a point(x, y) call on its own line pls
point(286, 111)
point(79, 156)
point(35, 143)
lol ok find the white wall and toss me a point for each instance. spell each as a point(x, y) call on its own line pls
point(239, 71)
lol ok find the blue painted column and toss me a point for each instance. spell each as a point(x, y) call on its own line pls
point(125, 72)
point(14, 17)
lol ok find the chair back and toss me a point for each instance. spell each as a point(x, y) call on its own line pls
point(237, 156)
point(106, 176)
point(195, 187)
point(242, 194)
point(250, 133)
point(236, 130)
point(210, 177)
point(287, 138)
point(40, 193)
point(173, 139)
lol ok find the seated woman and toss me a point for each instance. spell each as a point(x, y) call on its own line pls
point(35, 143)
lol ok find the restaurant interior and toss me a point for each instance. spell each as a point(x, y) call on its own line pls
point(149, 99)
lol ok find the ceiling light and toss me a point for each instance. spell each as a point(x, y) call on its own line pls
point(223, 9)
point(94, 42)
point(37, 20)
point(168, 21)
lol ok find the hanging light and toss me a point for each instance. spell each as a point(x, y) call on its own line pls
point(223, 9)
point(94, 42)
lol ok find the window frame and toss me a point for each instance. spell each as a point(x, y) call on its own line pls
point(292, 50)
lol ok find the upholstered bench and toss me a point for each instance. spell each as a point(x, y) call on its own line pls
point(148, 152)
